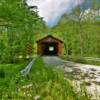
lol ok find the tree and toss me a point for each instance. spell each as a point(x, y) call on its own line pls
point(80, 32)
point(20, 25)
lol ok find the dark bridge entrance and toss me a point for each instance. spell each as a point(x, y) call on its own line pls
point(49, 45)
point(50, 48)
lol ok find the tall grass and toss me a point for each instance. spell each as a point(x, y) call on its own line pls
point(8, 75)
point(42, 83)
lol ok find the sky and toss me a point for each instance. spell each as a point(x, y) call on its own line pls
point(52, 10)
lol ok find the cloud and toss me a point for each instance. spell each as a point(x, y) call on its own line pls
point(52, 10)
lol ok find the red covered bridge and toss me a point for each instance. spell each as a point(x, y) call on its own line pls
point(49, 45)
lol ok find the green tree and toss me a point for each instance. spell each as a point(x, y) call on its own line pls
point(20, 25)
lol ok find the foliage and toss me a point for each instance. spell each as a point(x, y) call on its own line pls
point(79, 40)
point(18, 27)
point(81, 37)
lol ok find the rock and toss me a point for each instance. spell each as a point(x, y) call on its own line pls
point(93, 73)
point(85, 75)
point(96, 82)
point(78, 78)
point(87, 83)
point(92, 77)
point(99, 73)
point(77, 70)
point(93, 69)
point(66, 69)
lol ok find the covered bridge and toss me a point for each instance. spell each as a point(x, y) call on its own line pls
point(49, 45)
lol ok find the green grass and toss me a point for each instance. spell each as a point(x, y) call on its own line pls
point(47, 83)
point(81, 60)
point(8, 73)
point(12, 68)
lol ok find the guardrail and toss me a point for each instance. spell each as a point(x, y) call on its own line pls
point(27, 69)
point(92, 58)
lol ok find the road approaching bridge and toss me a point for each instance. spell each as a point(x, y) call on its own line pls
point(52, 60)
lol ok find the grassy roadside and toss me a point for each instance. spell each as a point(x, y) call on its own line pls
point(42, 83)
point(81, 60)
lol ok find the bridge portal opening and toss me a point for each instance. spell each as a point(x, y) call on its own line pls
point(50, 49)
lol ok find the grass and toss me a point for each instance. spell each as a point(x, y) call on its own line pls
point(42, 83)
point(8, 74)
point(81, 60)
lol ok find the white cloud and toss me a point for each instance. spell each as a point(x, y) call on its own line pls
point(52, 10)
